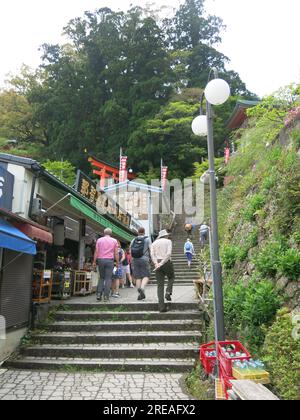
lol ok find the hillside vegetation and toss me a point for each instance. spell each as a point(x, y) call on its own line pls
point(259, 211)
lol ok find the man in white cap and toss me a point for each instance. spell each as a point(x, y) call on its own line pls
point(161, 252)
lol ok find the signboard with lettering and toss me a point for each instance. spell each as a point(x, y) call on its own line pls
point(86, 187)
point(6, 189)
point(105, 205)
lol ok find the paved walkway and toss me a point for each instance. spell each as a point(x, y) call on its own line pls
point(40, 385)
point(24, 385)
point(181, 294)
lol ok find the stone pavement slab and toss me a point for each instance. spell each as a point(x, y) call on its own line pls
point(25, 385)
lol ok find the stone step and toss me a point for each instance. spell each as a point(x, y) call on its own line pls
point(104, 365)
point(182, 277)
point(121, 351)
point(187, 273)
point(183, 267)
point(125, 326)
point(123, 316)
point(179, 282)
point(130, 307)
point(181, 248)
point(188, 282)
point(181, 258)
point(180, 251)
point(118, 338)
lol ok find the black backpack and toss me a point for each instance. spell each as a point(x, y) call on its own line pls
point(125, 262)
point(137, 247)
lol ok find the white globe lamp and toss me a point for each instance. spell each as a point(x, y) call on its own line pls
point(217, 92)
point(199, 125)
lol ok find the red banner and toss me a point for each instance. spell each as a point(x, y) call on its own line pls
point(123, 169)
point(164, 177)
point(227, 155)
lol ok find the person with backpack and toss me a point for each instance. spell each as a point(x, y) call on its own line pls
point(188, 227)
point(204, 234)
point(189, 251)
point(140, 253)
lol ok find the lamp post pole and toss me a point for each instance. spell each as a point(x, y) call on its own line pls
point(215, 253)
point(216, 92)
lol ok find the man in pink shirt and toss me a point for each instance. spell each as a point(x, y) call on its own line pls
point(106, 253)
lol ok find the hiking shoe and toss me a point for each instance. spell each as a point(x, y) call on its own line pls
point(106, 299)
point(116, 295)
point(142, 295)
point(99, 298)
point(168, 297)
point(163, 309)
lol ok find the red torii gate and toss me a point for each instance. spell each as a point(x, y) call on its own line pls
point(105, 170)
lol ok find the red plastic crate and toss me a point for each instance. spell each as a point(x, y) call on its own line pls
point(225, 380)
point(226, 362)
point(208, 363)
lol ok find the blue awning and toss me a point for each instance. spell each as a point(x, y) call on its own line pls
point(15, 240)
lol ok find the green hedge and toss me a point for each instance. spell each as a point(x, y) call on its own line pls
point(282, 356)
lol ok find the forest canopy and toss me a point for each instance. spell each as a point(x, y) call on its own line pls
point(125, 79)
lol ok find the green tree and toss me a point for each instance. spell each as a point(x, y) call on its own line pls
point(17, 119)
point(113, 83)
point(63, 170)
point(169, 135)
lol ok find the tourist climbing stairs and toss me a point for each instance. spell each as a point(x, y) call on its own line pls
point(183, 274)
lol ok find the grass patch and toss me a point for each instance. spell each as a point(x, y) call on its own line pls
point(199, 388)
point(76, 369)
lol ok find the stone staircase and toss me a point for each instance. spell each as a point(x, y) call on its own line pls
point(130, 337)
point(122, 337)
point(183, 274)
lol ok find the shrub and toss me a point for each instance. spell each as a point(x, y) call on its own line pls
point(267, 260)
point(260, 307)
point(282, 356)
point(243, 253)
point(289, 264)
point(252, 239)
point(296, 237)
point(255, 203)
point(248, 310)
point(200, 389)
point(269, 182)
point(295, 134)
point(230, 256)
point(234, 298)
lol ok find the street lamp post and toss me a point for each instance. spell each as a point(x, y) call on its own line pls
point(216, 92)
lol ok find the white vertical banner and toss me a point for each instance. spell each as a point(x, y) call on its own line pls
point(123, 169)
point(2, 328)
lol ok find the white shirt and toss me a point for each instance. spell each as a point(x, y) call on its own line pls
point(161, 250)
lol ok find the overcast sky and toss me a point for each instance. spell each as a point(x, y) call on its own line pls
point(262, 36)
